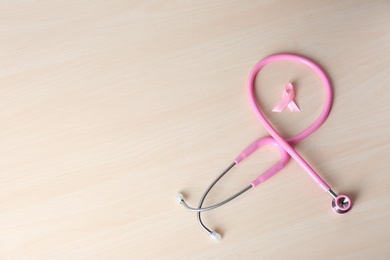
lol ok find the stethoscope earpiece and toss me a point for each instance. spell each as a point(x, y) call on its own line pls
point(215, 236)
point(179, 198)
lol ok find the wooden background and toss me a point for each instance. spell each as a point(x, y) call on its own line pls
point(109, 108)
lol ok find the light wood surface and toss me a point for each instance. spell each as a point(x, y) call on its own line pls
point(109, 108)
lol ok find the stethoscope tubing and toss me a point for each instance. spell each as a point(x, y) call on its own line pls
point(287, 145)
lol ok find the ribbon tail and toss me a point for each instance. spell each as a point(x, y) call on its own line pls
point(281, 105)
point(293, 107)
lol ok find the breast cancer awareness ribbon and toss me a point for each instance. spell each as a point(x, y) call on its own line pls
point(287, 100)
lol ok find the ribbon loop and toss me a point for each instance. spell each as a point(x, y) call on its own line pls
point(287, 100)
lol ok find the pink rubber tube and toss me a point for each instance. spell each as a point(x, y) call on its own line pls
point(284, 158)
point(287, 145)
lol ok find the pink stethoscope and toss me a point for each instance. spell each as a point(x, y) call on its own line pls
point(340, 203)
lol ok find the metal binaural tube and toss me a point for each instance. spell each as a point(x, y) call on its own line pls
point(199, 219)
point(215, 205)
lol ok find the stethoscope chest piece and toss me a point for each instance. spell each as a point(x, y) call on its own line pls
point(342, 204)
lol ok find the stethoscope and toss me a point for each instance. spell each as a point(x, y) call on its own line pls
point(340, 203)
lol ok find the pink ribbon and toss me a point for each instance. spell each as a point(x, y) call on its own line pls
point(287, 100)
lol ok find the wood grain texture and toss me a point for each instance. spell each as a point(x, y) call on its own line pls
point(109, 108)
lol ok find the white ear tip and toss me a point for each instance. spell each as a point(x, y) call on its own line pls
point(215, 236)
point(179, 197)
